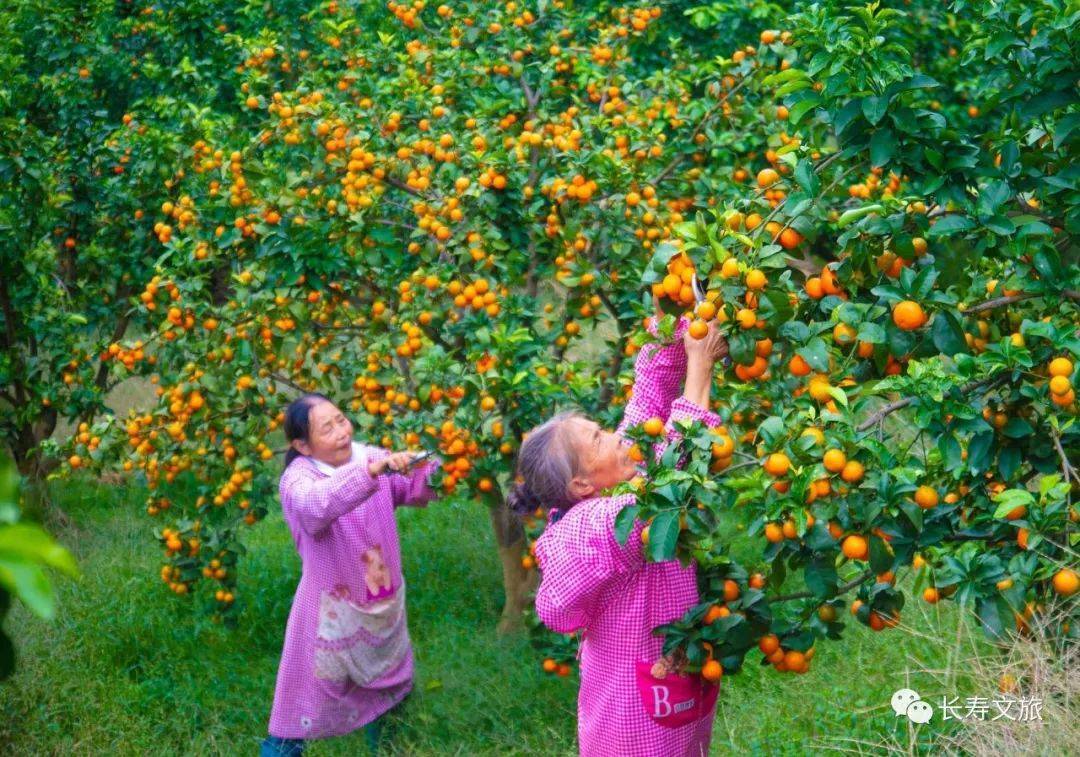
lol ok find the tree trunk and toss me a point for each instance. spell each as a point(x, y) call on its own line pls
point(518, 583)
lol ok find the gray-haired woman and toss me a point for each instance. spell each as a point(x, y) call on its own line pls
point(591, 582)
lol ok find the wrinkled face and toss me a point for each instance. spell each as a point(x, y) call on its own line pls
point(602, 456)
point(330, 435)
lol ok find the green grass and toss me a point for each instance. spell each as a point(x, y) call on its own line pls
point(128, 669)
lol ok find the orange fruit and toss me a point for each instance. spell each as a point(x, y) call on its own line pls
point(798, 367)
point(790, 239)
point(729, 269)
point(827, 613)
point(654, 427)
point(757, 581)
point(1061, 366)
point(1060, 385)
point(908, 315)
point(790, 530)
point(1066, 582)
point(767, 177)
point(844, 334)
point(777, 464)
point(1022, 538)
point(706, 311)
point(774, 532)
point(755, 279)
point(926, 497)
point(698, 329)
point(855, 547)
point(834, 460)
point(930, 594)
point(794, 659)
point(731, 590)
point(712, 671)
point(768, 644)
point(714, 613)
point(814, 289)
point(747, 318)
point(550, 666)
point(853, 472)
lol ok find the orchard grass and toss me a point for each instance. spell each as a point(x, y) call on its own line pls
point(127, 668)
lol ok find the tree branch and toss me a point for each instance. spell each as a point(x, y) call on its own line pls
point(842, 589)
point(892, 407)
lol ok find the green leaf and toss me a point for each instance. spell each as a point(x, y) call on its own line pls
point(851, 216)
point(871, 332)
point(947, 333)
point(874, 108)
point(807, 177)
point(882, 147)
point(950, 225)
point(801, 108)
point(1009, 499)
point(881, 558)
point(1048, 264)
point(624, 522)
point(821, 577)
point(816, 353)
point(663, 533)
point(28, 583)
point(28, 542)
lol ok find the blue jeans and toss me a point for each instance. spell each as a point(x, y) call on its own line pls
point(273, 746)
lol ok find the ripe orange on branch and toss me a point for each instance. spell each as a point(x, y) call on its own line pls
point(908, 315)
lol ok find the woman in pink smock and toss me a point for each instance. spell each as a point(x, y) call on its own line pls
point(592, 583)
point(347, 657)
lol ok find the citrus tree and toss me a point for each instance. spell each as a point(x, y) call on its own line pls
point(898, 282)
point(418, 210)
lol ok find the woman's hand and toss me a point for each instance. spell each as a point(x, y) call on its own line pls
point(395, 461)
point(710, 348)
point(702, 355)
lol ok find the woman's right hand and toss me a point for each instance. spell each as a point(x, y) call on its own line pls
point(710, 348)
point(395, 461)
point(702, 355)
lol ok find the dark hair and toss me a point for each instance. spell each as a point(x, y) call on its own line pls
point(546, 463)
point(298, 421)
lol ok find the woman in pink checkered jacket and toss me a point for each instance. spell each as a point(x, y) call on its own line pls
point(347, 659)
point(592, 583)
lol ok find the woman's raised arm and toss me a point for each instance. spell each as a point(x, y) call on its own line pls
point(317, 502)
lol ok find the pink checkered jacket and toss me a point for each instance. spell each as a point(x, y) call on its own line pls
point(347, 657)
point(590, 582)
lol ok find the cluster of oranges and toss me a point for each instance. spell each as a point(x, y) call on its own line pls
point(578, 188)
point(407, 13)
point(1060, 384)
point(458, 447)
point(205, 158)
point(675, 285)
point(872, 184)
point(549, 665)
point(477, 295)
point(149, 294)
point(239, 481)
point(785, 660)
point(635, 20)
point(85, 439)
point(127, 357)
point(155, 505)
point(170, 574)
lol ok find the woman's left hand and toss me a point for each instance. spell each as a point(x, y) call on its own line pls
point(395, 461)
